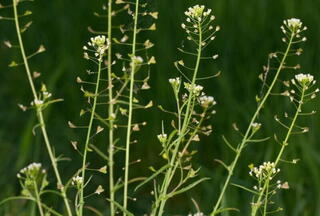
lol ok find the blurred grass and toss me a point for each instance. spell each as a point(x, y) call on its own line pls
point(250, 30)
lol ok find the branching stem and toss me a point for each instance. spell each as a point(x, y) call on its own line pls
point(171, 171)
point(284, 145)
point(38, 200)
point(129, 126)
point(247, 134)
point(86, 146)
point(39, 110)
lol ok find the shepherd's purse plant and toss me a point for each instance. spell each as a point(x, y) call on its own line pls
point(119, 68)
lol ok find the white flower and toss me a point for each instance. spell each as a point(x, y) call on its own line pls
point(206, 101)
point(196, 12)
point(255, 126)
point(46, 94)
point(98, 41)
point(294, 23)
point(77, 181)
point(137, 60)
point(304, 79)
point(175, 81)
point(193, 88)
point(162, 137)
point(37, 102)
point(100, 44)
point(264, 171)
point(31, 171)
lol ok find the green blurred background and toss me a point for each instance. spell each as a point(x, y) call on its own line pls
point(249, 31)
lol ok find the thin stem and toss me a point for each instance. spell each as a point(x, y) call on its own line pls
point(128, 137)
point(38, 200)
point(284, 145)
point(39, 111)
point(84, 161)
point(266, 198)
point(253, 119)
point(111, 112)
point(171, 170)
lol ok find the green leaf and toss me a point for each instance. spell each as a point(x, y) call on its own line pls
point(190, 186)
point(223, 210)
point(244, 188)
point(152, 177)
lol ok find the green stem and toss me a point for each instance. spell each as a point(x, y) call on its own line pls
point(38, 200)
point(129, 126)
point(266, 199)
point(171, 170)
point(39, 111)
point(284, 145)
point(86, 146)
point(253, 119)
point(111, 112)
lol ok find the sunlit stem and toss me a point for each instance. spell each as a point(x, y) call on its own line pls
point(128, 137)
point(38, 200)
point(247, 134)
point(111, 112)
point(170, 172)
point(86, 146)
point(284, 145)
point(39, 110)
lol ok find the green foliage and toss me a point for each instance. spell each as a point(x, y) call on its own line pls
point(249, 31)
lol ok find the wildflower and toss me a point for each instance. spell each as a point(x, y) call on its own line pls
point(206, 101)
point(175, 81)
point(46, 94)
point(294, 26)
point(162, 137)
point(37, 102)
point(255, 126)
point(195, 12)
point(31, 170)
point(32, 178)
point(77, 181)
point(265, 171)
point(193, 88)
point(137, 60)
point(304, 78)
point(294, 23)
point(100, 44)
point(98, 41)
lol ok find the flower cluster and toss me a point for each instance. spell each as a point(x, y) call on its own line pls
point(162, 137)
point(175, 82)
point(198, 12)
point(193, 88)
point(42, 98)
point(32, 171)
point(207, 101)
point(199, 21)
point(266, 171)
point(255, 126)
point(304, 79)
point(99, 44)
point(293, 27)
point(32, 178)
point(77, 181)
point(293, 23)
